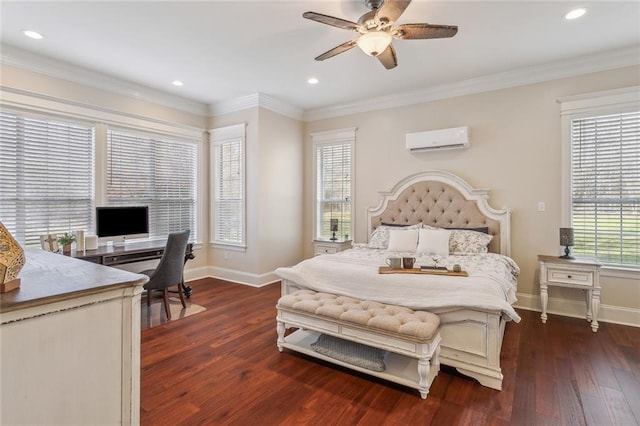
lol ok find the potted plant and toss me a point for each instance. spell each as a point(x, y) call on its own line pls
point(66, 240)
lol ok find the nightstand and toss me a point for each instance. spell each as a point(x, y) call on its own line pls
point(578, 273)
point(330, 247)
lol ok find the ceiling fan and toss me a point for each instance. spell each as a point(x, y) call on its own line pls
point(376, 30)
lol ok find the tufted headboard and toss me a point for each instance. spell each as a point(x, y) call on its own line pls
point(442, 199)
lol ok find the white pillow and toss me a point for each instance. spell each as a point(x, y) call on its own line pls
point(403, 240)
point(432, 241)
point(379, 238)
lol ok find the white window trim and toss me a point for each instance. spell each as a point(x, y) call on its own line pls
point(332, 137)
point(585, 105)
point(218, 136)
point(46, 107)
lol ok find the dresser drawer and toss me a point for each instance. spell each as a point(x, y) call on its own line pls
point(568, 276)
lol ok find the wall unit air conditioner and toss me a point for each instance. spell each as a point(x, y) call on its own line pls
point(437, 140)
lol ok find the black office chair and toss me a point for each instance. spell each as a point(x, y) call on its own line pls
point(169, 271)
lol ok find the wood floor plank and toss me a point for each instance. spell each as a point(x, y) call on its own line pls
point(222, 367)
point(618, 407)
point(631, 390)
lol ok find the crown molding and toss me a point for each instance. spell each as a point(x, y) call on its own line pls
point(518, 77)
point(23, 100)
point(12, 56)
point(513, 78)
point(625, 97)
point(255, 100)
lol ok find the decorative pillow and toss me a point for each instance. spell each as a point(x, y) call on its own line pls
point(465, 241)
point(350, 352)
point(379, 238)
point(432, 241)
point(403, 240)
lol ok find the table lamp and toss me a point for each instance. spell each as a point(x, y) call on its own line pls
point(566, 240)
point(333, 227)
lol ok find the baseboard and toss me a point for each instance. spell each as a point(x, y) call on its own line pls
point(572, 308)
point(191, 274)
point(240, 277)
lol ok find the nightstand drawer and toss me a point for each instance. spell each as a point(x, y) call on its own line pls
point(329, 247)
point(567, 276)
point(326, 249)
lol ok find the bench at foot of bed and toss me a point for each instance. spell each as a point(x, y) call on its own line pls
point(410, 339)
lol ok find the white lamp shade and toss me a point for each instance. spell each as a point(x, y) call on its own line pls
point(374, 43)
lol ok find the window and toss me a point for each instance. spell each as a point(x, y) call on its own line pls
point(605, 185)
point(227, 182)
point(155, 171)
point(333, 159)
point(46, 176)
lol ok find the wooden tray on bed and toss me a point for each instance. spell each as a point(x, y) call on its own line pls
point(387, 270)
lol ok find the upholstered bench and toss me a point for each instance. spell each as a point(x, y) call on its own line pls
point(410, 337)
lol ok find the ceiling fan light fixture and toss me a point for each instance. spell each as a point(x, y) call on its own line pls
point(374, 43)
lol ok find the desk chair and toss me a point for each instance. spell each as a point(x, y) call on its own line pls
point(170, 269)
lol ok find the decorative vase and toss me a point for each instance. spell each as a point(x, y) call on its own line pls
point(11, 260)
point(66, 248)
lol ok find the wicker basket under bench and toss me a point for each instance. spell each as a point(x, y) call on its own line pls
point(411, 337)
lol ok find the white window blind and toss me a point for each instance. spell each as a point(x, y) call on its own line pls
point(333, 153)
point(228, 185)
point(155, 171)
point(605, 182)
point(46, 176)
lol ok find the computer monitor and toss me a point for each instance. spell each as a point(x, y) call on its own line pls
point(118, 224)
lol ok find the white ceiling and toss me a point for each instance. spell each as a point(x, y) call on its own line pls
point(224, 50)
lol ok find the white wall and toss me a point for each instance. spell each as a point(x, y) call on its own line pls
point(280, 191)
point(515, 152)
point(274, 152)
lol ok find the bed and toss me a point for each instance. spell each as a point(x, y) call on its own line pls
point(473, 310)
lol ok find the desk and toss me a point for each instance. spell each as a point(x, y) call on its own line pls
point(129, 253)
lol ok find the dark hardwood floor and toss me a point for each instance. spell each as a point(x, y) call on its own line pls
point(222, 366)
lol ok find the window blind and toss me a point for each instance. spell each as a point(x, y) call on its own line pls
point(46, 176)
point(333, 191)
point(605, 182)
point(229, 192)
point(154, 171)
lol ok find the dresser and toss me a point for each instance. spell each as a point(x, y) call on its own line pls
point(70, 350)
point(580, 274)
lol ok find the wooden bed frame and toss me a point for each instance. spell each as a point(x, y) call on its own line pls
point(471, 338)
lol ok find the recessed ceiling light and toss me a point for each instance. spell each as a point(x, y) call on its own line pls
point(575, 13)
point(313, 80)
point(177, 83)
point(32, 34)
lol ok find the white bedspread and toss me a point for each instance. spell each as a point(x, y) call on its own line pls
point(491, 283)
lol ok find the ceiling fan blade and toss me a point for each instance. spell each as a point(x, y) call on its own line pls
point(388, 57)
point(391, 10)
point(336, 50)
point(333, 21)
point(422, 31)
